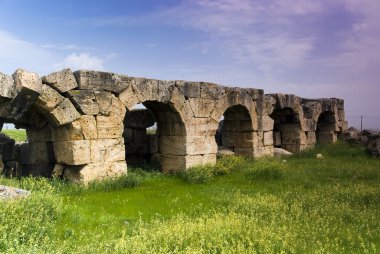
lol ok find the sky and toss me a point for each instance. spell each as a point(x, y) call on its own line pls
point(311, 48)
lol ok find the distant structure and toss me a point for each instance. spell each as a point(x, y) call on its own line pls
point(81, 126)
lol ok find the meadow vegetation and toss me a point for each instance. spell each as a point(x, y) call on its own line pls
point(17, 135)
point(297, 204)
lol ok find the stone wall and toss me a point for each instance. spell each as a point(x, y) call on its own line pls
point(82, 125)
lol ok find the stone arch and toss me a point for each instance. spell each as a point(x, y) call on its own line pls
point(287, 132)
point(236, 132)
point(326, 128)
point(167, 146)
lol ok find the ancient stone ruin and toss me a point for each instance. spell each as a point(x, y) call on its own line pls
point(84, 125)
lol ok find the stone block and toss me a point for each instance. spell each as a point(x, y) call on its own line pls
point(267, 123)
point(128, 97)
point(268, 138)
point(341, 115)
point(64, 113)
point(84, 101)
point(211, 91)
point(107, 150)
point(104, 100)
point(171, 129)
point(172, 145)
point(202, 107)
point(49, 98)
point(194, 160)
point(109, 127)
point(27, 80)
point(6, 86)
point(201, 145)
point(94, 171)
point(189, 89)
point(62, 81)
point(72, 152)
point(98, 80)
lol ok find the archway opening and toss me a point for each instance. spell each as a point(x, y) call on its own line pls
point(155, 136)
point(235, 132)
point(326, 128)
point(286, 130)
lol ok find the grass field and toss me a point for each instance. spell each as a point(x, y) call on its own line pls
point(17, 135)
point(303, 205)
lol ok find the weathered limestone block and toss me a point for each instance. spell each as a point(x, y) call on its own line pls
point(311, 137)
point(49, 98)
point(193, 160)
point(27, 80)
point(37, 153)
point(312, 109)
point(112, 126)
point(6, 86)
point(94, 171)
point(268, 138)
point(27, 89)
point(98, 80)
point(128, 97)
point(64, 113)
point(83, 128)
point(62, 81)
point(85, 101)
point(269, 104)
point(189, 89)
point(267, 123)
point(172, 145)
point(288, 101)
point(201, 145)
point(202, 107)
point(145, 89)
point(104, 100)
point(165, 89)
point(171, 129)
point(72, 152)
point(107, 150)
point(211, 91)
point(341, 115)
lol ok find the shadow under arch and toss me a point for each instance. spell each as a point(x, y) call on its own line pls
point(235, 131)
point(326, 128)
point(287, 129)
point(156, 134)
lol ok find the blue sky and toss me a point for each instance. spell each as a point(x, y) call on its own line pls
point(313, 48)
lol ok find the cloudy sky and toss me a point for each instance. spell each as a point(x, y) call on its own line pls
point(312, 48)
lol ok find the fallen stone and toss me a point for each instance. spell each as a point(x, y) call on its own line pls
point(281, 152)
point(7, 193)
point(224, 151)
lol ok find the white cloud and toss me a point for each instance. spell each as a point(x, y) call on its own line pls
point(81, 61)
point(15, 53)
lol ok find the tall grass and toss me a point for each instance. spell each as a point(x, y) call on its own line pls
point(17, 135)
point(304, 205)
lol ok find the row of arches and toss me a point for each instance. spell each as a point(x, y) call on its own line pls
point(155, 130)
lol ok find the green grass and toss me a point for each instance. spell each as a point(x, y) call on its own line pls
point(17, 135)
point(301, 205)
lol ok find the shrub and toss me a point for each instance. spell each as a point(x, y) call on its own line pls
point(267, 169)
point(228, 163)
point(124, 181)
point(199, 174)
